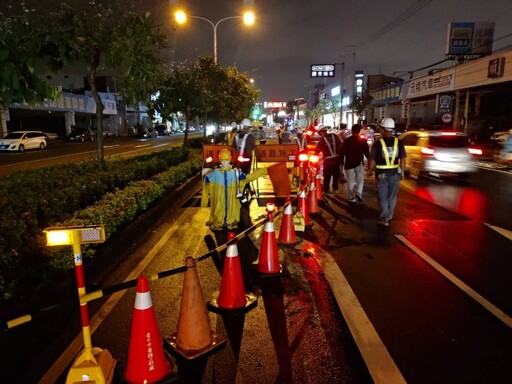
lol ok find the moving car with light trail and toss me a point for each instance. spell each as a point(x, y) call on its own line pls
point(439, 153)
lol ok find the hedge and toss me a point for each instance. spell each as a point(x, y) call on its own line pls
point(112, 193)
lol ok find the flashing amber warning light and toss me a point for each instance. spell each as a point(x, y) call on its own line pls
point(69, 235)
point(271, 207)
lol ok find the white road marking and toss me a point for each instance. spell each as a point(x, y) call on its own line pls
point(64, 360)
point(459, 283)
point(501, 231)
point(377, 358)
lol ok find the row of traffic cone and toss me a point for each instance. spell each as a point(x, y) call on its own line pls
point(147, 360)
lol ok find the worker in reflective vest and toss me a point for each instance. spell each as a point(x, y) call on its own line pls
point(300, 140)
point(245, 144)
point(387, 157)
point(330, 146)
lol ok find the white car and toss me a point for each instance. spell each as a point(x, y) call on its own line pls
point(438, 153)
point(22, 140)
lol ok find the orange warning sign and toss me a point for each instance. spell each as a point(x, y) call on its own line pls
point(278, 152)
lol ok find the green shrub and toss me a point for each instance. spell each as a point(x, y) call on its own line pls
point(116, 193)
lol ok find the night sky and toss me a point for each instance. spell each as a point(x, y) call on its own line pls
point(375, 36)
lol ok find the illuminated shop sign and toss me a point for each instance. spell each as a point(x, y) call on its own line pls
point(322, 70)
point(274, 104)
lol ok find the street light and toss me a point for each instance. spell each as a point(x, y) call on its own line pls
point(248, 17)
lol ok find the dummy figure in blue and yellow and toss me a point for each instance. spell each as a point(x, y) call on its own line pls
point(223, 187)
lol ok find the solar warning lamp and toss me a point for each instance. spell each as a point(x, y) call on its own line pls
point(92, 364)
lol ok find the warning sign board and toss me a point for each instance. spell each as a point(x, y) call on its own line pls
point(276, 153)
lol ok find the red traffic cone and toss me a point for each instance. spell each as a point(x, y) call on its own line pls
point(232, 292)
point(268, 261)
point(147, 361)
point(194, 336)
point(303, 207)
point(312, 199)
point(287, 230)
point(319, 187)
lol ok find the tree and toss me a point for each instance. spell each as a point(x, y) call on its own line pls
point(141, 67)
point(93, 35)
point(180, 92)
point(206, 89)
point(360, 103)
point(19, 80)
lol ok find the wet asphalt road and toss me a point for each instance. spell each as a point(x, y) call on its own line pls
point(302, 330)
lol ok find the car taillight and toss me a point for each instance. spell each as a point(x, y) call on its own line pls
point(314, 159)
point(362, 136)
point(303, 157)
point(427, 151)
point(475, 151)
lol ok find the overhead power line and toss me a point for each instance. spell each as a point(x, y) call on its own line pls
point(398, 20)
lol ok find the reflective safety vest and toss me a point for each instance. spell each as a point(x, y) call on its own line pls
point(302, 142)
point(390, 162)
point(332, 149)
point(240, 143)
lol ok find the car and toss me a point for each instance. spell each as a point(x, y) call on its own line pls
point(438, 153)
point(51, 136)
point(22, 140)
point(162, 130)
point(81, 135)
point(147, 133)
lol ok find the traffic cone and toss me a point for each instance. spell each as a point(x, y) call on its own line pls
point(303, 207)
point(232, 295)
point(194, 336)
point(312, 199)
point(268, 260)
point(287, 230)
point(147, 362)
point(319, 187)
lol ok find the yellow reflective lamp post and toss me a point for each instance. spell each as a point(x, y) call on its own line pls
point(248, 18)
point(92, 364)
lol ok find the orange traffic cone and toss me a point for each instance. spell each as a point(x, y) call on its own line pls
point(194, 336)
point(287, 230)
point(312, 199)
point(268, 261)
point(303, 207)
point(147, 362)
point(232, 295)
point(319, 187)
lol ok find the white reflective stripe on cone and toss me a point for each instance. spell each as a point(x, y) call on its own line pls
point(232, 251)
point(269, 227)
point(143, 300)
point(288, 210)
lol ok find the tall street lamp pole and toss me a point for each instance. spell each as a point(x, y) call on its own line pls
point(248, 17)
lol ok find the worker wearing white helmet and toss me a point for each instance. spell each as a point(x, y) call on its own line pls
point(387, 156)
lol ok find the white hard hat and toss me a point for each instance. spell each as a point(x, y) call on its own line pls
point(246, 123)
point(387, 123)
point(233, 124)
